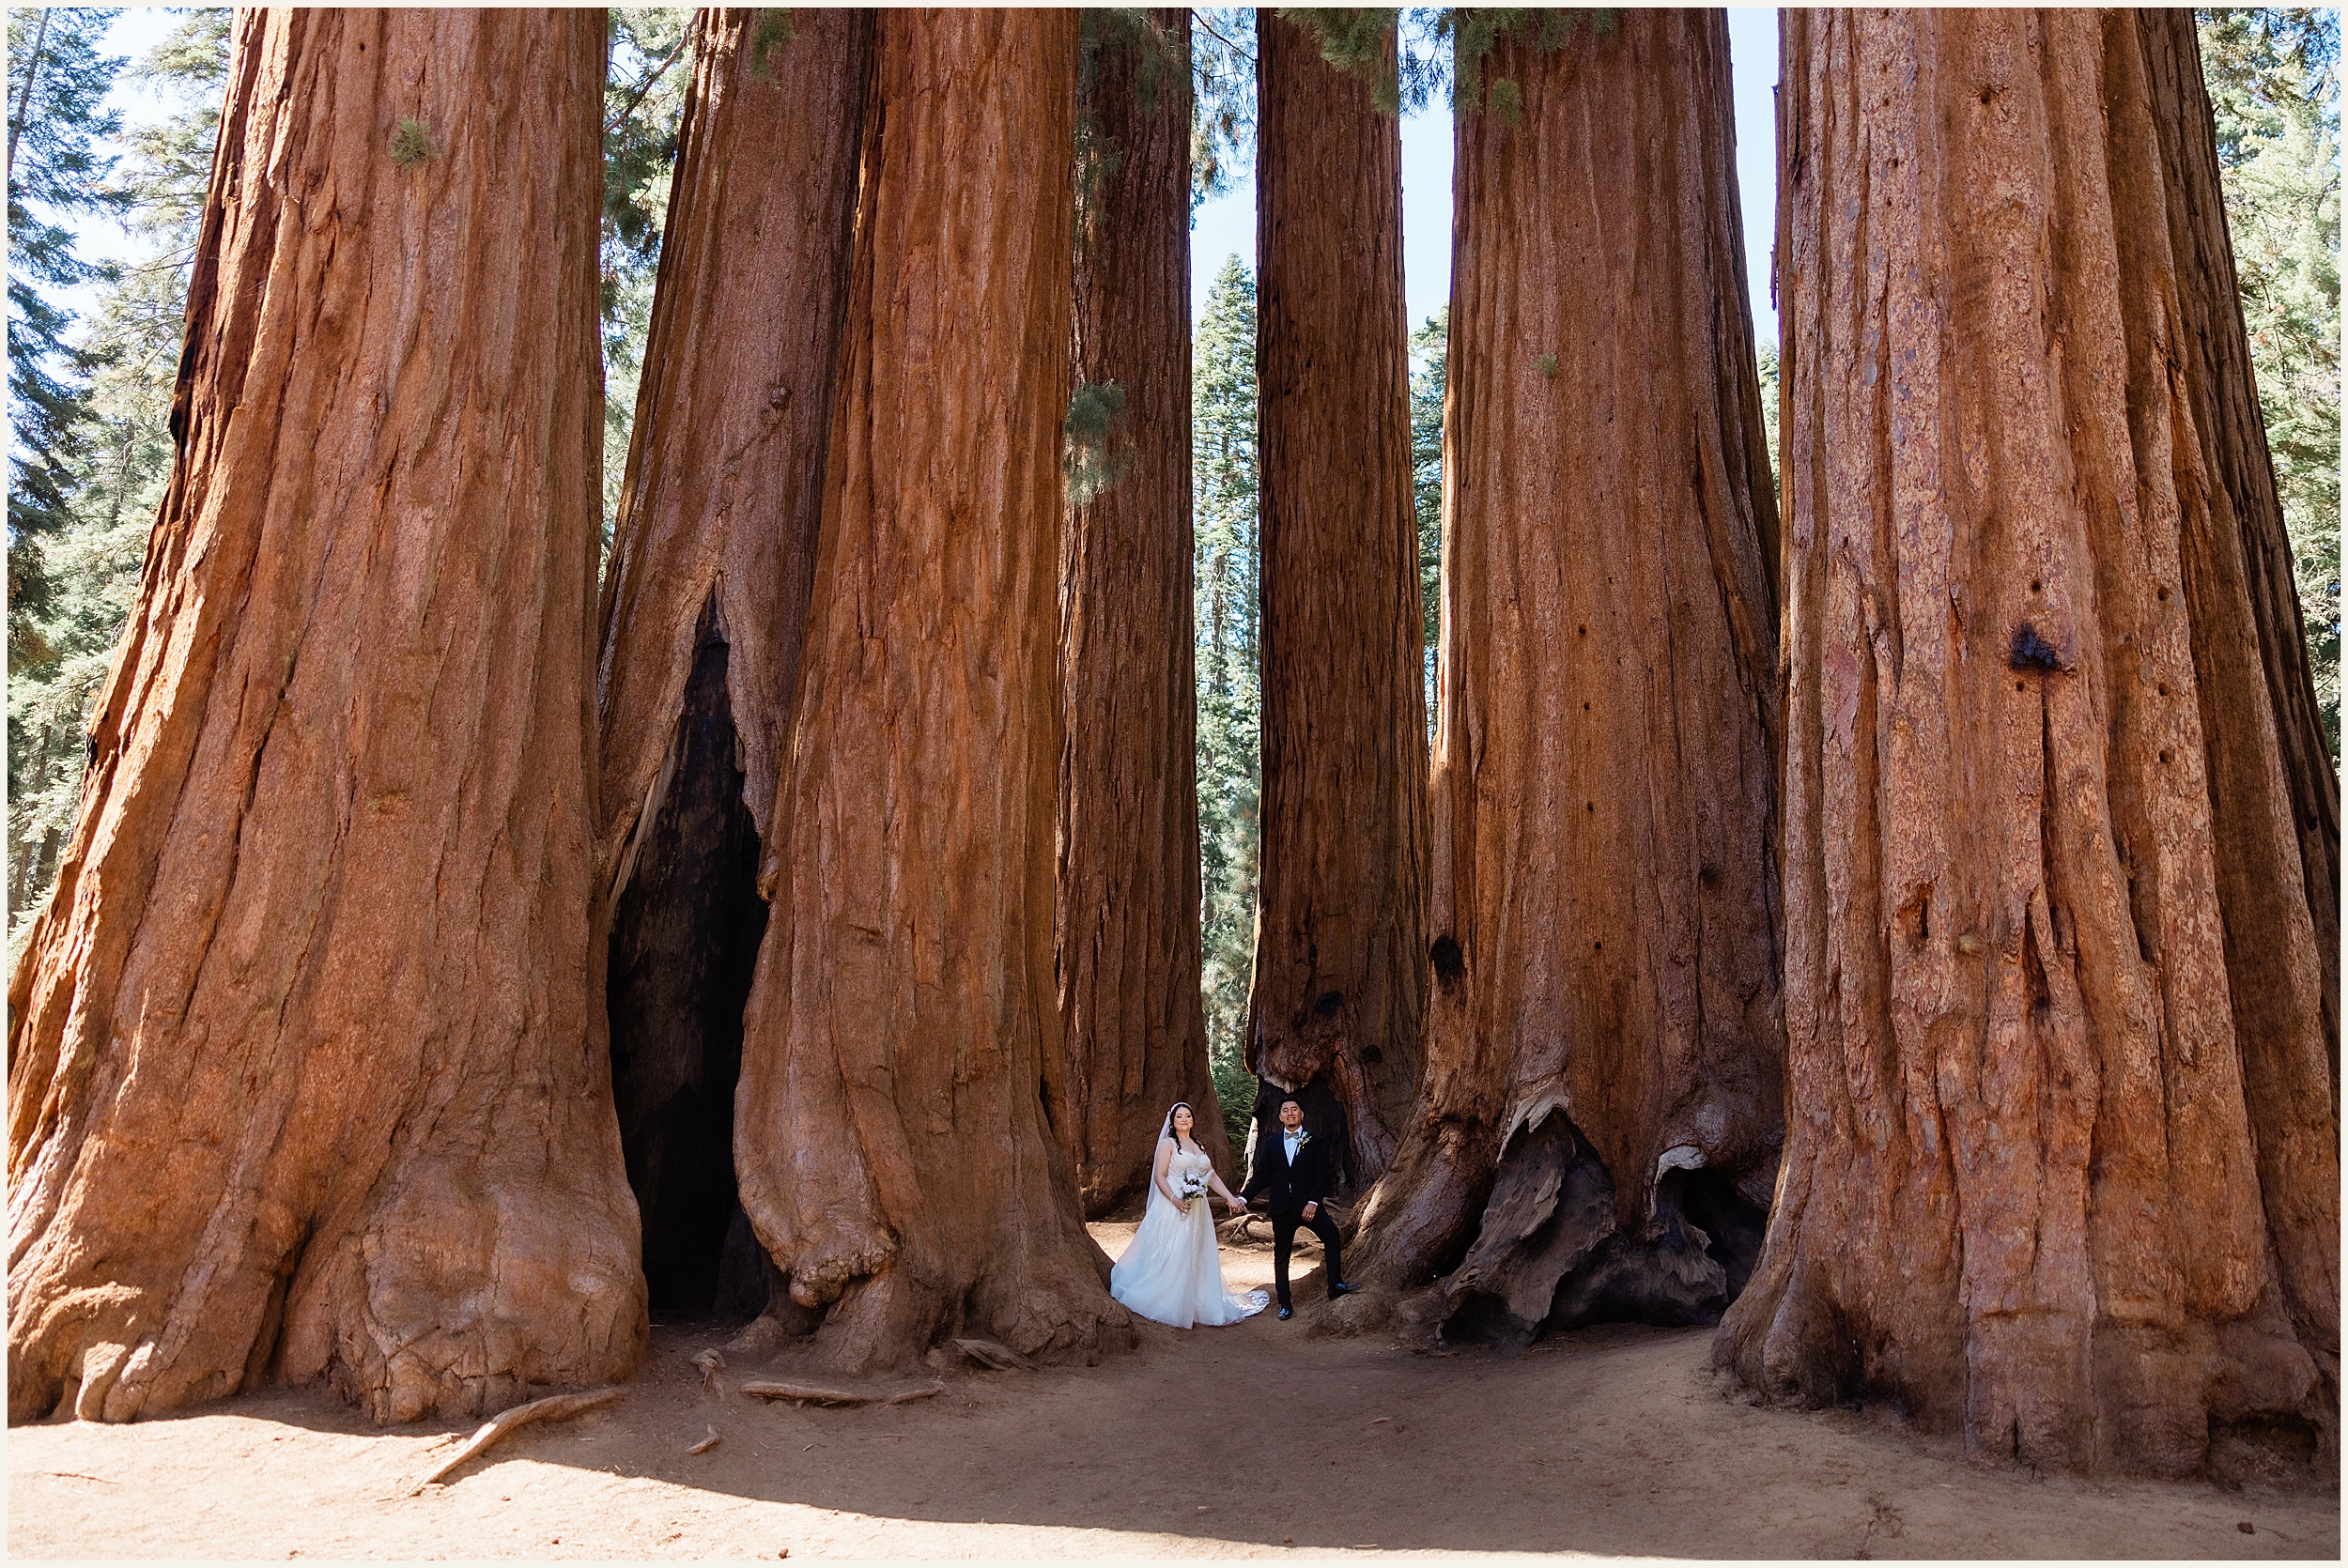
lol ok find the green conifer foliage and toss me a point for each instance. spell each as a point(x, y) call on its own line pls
point(643, 110)
point(2273, 84)
point(1223, 99)
point(1428, 347)
point(114, 476)
point(1231, 694)
point(57, 123)
point(1768, 357)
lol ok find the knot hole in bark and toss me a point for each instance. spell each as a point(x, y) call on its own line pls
point(2031, 652)
point(1450, 963)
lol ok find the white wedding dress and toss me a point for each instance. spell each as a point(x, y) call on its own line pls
point(1170, 1273)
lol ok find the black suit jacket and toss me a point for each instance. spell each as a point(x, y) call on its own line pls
point(1284, 1187)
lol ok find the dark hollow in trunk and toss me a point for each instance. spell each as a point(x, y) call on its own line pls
point(1555, 1251)
point(685, 936)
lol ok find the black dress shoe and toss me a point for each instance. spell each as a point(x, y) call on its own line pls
point(1342, 1289)
point(1286, 1313)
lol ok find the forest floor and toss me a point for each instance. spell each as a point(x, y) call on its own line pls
point(1259, 1439)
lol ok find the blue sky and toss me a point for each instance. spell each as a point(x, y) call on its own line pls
point(1228, 224)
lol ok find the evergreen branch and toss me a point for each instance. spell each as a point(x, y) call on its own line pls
point(650, 80)
point(25, 98)
point(1200, 17)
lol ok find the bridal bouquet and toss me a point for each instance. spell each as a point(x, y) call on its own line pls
point(1193, 1185)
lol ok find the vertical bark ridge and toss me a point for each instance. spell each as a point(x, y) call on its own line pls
point(1128, 846)
point(1339, 985)
point(2215, 344)
point(2094, 1220)
point(320, 949)
point(713, 559)
point(903, 1120)
point(724, 487)
point(1603, 923)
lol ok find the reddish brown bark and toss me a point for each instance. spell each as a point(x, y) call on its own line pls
point(2060, 1166)
point(901, 1121)
point(2216, 346)
point(1339, 981)
point(724, 487)
point(1602, 1112)
point(1128, 911)
point(704, 604)
point(306, 1074)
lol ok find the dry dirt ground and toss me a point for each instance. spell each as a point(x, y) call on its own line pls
point(1259, 1439)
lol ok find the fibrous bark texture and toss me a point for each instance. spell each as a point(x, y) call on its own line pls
point(1605, 1032)
point(2212, 338)
point(1339, 983)
point(903, 1112)
point(704, 606)
point(724, 488)
point(1128, 916)
point(306, 1067)
point(2061, 1164)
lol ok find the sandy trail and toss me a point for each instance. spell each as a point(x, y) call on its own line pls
point(1253, 1440)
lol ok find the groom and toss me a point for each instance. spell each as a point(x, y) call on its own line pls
point(1293, 1174)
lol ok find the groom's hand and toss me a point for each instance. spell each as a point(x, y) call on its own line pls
point(1311, 1209)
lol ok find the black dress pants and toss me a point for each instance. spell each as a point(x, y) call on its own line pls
point(1284, 1228)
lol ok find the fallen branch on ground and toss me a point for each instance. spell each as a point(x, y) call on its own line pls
point(560, 1407)
point(816, 1394)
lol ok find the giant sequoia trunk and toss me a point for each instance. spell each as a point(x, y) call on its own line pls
point(1602, 1113)
point(2061, 1164)
point(307, 1070)
point(705, 603)
point(1128, 915)
point(1339, 984)
point(902, 1121)
point(2217, 348)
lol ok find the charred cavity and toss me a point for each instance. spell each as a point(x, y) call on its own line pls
point(684, 938)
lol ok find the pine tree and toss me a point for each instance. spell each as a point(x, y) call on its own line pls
point(1430, 348)
point(650, 65)
point(2274, 87)
point(1230, 700)
point(57, 84)
point(117, 477)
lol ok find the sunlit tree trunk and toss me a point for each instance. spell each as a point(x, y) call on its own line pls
point(704, 604)
point(1602, 1112)
point(2234, 438)
point(901, 1126)
point(307, 1060)
point(2061, 1164)
point(1129, 802)
point(1339, 984)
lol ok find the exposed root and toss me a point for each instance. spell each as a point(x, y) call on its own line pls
point(711, 1362)
point(999, 1358)
point(707, 1443)
point(819, 1393)
point(560, 1407)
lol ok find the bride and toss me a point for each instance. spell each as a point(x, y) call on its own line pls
point(1169, 1273)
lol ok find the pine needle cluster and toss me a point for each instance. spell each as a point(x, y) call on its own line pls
point(1095, 453)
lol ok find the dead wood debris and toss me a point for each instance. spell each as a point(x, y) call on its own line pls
point(560, 1407)
point(818, 1393)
